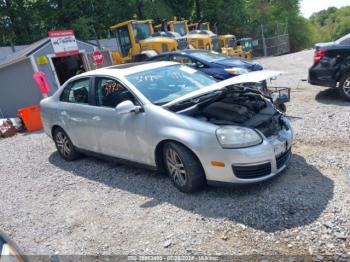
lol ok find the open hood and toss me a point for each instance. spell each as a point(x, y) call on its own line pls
point(252, 77)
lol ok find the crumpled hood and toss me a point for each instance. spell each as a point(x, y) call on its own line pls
point(252, 77)
point(241, 63)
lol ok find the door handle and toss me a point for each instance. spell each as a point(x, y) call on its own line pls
point(97, 118)
point(64, 113)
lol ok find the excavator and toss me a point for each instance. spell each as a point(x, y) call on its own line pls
point(135, 40)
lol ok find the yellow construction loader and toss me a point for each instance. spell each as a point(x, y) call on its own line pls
point(228, 44)
point(195, 38)
point(135, 41)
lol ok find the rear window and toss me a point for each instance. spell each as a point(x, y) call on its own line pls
point(345, 40)
point(209, 56)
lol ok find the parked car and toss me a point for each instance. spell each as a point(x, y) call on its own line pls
point(217, 65)
point(331, 66)
point(171, 117)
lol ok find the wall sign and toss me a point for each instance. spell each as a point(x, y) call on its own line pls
point(63, 42)
point(41, 60)
point(98, 57)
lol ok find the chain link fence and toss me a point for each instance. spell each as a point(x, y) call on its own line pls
point(271, 40)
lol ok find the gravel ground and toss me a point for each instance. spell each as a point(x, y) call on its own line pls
point(49, 206)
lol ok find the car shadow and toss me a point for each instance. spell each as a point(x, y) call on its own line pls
point(331, 96)
point(295, 198)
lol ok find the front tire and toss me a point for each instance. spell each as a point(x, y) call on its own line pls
point(183, 167)
point(344, 87)
point(64, 145)
point(281, 107)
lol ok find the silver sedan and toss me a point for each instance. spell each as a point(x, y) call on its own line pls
point(173, 118)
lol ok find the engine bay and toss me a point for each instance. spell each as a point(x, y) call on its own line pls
point(243, 107)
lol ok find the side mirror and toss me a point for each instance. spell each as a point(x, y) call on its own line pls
point(127, 107)
point(9, 250)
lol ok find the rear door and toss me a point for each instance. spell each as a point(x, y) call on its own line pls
point(74, 112)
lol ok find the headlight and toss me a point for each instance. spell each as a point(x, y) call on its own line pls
point(236, 71)
point(237, 137)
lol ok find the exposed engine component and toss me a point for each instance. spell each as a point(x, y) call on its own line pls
point(242, 108)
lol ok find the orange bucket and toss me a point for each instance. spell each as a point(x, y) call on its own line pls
point(31, 117)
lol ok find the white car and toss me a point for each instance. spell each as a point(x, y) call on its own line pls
point(171, 117)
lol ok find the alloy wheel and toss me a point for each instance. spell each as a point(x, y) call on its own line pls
point(176, 167)
point(63, 144)
point(346, 87)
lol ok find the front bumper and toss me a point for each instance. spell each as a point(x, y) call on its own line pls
point(249, 165)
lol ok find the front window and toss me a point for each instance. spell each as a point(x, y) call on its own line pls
point(162, 85)
point(110, 93)
point(231, 42)
point(180, 28)
point(141, 31)
point(209, 56)
point(124, 41)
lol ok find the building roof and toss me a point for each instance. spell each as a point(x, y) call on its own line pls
point(6, 51)
point(28, 50)
point(24, 53)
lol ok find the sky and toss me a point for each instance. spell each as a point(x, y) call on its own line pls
point(307, 7)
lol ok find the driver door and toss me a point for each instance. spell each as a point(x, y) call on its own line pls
point(116, 135)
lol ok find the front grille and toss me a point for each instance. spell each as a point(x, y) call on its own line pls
point(165, 48)
point(182, 43)
point(246, 172)
point(282, 159)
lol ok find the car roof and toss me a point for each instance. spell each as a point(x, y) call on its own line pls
point(127, 69)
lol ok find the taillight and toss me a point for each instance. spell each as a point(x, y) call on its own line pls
point(318, 55)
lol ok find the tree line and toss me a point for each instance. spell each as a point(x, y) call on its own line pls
point(25, 21)
point(330, 24)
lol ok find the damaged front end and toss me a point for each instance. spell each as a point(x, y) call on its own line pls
point(238, 106)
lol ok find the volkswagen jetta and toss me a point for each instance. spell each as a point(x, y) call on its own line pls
point(171, 117)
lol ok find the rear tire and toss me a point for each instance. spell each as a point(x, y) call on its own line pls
point(344, 87)
point(64, 145)
point(183, 167)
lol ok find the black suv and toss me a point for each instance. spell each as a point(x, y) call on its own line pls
point(331, 66)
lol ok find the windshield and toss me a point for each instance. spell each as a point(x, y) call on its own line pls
point(162, 85)
point(231, 42)
point(141, 31)
point(180, 28)
point(209, 56)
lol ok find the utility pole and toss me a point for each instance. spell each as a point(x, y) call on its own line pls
point(198, 10)
point(93, 25)
point(263, 40)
